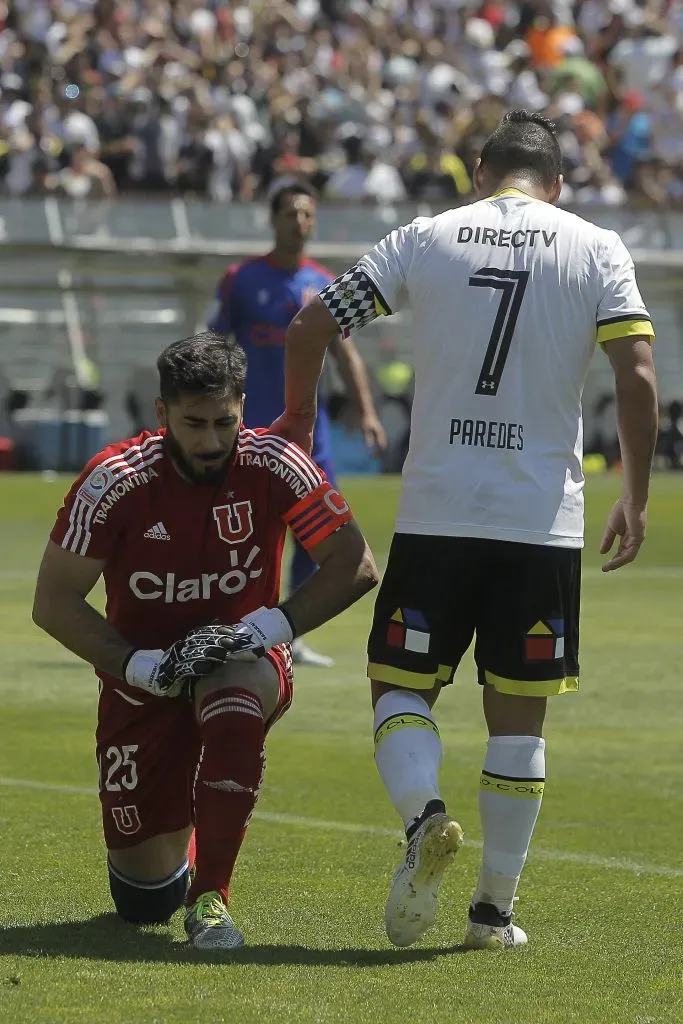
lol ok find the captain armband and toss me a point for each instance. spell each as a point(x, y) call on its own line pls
point(353, 300)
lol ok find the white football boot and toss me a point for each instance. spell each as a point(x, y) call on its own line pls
point(487, 928)
point(412, 904)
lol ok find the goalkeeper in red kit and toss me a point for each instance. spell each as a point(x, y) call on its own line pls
point(187, 526)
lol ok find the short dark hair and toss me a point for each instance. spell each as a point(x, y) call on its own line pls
point(524, 142)
point(291, 188)
point(208, 364)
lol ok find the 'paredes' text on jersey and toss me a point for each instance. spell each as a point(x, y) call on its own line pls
point(487, 434)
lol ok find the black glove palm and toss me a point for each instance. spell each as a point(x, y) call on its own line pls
point(200, 652)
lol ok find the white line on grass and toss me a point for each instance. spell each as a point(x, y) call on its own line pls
point(57, 787)
point(272, 818)
point(646, 572)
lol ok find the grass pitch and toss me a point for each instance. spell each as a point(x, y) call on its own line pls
point(601, 897)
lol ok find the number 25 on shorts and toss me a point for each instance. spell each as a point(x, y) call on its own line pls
point(120, 769)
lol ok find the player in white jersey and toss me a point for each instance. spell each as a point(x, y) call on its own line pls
point(509, 296)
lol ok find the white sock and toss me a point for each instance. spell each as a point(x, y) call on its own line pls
point(407, 751)
point(510, 794)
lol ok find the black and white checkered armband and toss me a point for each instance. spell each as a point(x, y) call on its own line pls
point(353, 300)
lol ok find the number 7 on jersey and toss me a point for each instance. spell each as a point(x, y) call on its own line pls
point(511, 284)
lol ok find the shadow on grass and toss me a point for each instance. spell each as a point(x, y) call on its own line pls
point(107, 938)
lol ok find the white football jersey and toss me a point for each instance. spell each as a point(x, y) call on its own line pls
point(508, 296)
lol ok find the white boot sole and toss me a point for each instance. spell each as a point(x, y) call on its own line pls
point(413, 900)
point(483, 937)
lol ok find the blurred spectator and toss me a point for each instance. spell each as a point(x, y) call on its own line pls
point(374, 100)
point(670, 441)
point(434, 172)
point(195, 160)
point(365, 177)
point(673, 435)
point(602, 439)
point(84, 177)
point(525, 90)
point(643, 53)
point(629, 129)
point(547, 39)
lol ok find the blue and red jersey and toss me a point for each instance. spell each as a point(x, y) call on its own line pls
point(256, 301)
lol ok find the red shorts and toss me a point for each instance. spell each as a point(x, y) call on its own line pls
point(147, 753)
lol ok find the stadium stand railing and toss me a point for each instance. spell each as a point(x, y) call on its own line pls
point(90, 292)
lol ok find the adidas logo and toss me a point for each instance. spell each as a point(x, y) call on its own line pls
point(157, 532)
point(228, 786)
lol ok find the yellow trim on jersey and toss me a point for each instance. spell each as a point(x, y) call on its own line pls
point(380, 308)
point(527, 789)
point(514, 193)
point(624, 329)
point(403, 722)
point(532, 688)
point(408, 680)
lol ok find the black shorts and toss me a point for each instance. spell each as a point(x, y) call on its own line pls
point(521, 601)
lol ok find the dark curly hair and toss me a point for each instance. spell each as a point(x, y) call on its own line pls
point(209, 364)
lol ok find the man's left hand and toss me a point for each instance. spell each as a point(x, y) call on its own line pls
point(198, 654)
point(229, 643)
point(246, 640)
point(164, 673)
point(295, 428)
point(374, 434)
point(255, 634)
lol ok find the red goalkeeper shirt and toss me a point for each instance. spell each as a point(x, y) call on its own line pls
point(176, 554)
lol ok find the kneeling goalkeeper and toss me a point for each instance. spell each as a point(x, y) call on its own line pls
point(187, 526)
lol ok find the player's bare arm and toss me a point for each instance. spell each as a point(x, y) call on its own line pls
point(309, 336)
point(636, 390)
point(346, 572)
point(61, 608)
point(346, 304)
point(355, 377)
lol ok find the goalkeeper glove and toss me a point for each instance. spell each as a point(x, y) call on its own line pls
point(254, 635)
point(141, 669)
point(163, 673)
point(258, 631)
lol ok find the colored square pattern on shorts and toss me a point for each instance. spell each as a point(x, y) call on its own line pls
point(396, 634)
point(408, 630)
point(545, 641)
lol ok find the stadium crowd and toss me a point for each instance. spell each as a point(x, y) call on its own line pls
point(374, 100)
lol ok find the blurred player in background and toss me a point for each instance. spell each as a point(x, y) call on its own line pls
point(509, 296)
point(187, 525)
point(256, 300)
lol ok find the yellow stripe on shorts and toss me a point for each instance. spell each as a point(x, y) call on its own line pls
point(409, 680)
point(533, 687)
point(408, 721)
point(526, 789)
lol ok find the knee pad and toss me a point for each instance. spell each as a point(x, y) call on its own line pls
point(148, 902)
